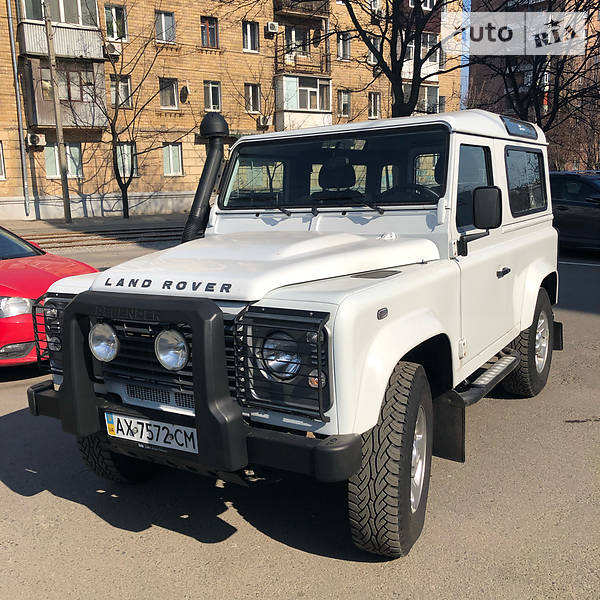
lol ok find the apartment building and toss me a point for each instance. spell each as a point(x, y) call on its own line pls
point(136, 77)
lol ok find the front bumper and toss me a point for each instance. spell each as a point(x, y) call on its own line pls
point(334, 458)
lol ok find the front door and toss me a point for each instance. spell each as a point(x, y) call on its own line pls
point(487, 278)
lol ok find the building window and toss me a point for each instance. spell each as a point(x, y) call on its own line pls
point(74, 166)
point(127, 160)
point(120, 91)
point(374, 105)
point(343, 45)
point(250, 38)
point(116, 23)
point(168, 92)
point(429, 41)
point(212, 95)
point(172, 162)
point(428, 101)
point(165, 26)
point(2, 167)
point(83, 12)
point(209, 32)
point(375, 5)
point(314, 94)
point(372, 58)
point(425, 4)
point(343, 98)
point(75, 83)
point(297, 41)
point(442, 104)
point(252, 95)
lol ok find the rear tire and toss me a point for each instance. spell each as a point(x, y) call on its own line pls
point(112, 466)
point(387, 497)
point(530, 377)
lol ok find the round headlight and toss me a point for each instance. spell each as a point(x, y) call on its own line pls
point(280, 356)
point(104, 342)
point(171, 350)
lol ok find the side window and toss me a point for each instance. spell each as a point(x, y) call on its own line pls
point(525, 175)
point(474, 170)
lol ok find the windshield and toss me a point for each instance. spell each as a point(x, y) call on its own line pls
point(376, 168)
point(13, 247)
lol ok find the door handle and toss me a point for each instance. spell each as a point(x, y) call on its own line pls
point(502, 273)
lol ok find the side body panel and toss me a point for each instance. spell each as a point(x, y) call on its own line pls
point(420, 305)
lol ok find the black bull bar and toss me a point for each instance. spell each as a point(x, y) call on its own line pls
point(226, 443)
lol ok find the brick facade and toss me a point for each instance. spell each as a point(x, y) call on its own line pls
point(287, 80)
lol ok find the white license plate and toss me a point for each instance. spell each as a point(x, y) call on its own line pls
point(154, 433)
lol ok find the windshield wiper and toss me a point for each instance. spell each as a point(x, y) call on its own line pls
point(285, 211)
point(361, 200)
point(268, 201)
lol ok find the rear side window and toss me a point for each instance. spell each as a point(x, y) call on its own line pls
point(525, 175)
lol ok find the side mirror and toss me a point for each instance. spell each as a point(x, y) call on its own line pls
point(487, 207)
point(34, 244)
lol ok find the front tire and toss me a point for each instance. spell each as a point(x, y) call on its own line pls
point(387, 497)
point(110, 465)
point(535, 347)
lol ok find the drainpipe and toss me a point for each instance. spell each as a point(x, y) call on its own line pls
point(22, 149)
point(213, 127)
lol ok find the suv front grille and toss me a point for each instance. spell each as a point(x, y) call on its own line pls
point(146, 379)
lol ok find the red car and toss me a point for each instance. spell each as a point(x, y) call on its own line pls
point(26, 272)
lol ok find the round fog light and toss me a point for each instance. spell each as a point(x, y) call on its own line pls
point(103, 342)
point(171, 349)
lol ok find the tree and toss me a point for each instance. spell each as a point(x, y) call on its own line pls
point(402, 44)
point(550, 90)
point(132, 69)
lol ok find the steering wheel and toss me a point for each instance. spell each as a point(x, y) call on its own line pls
point(417, 189)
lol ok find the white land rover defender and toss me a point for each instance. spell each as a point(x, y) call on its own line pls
point(351, 291)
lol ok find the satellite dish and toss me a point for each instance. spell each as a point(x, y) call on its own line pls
point(184, 93)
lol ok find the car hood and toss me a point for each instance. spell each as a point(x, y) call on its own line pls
point(31, 276)
point(247, 266)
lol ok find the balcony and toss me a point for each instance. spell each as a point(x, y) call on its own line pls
point(300, 8)
point(309, 60)
point(87, 112)
point(70, 41)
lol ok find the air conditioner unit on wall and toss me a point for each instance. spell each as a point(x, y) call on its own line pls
point(272, 27)
point(112, 49)
point(36, 140)
point(263, 121)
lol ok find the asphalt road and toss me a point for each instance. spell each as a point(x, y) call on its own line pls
point(520, 519)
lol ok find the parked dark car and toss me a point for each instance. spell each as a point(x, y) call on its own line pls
point(576, 203)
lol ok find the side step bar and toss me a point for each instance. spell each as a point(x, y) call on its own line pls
point(486, 381)
point(491, 377)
